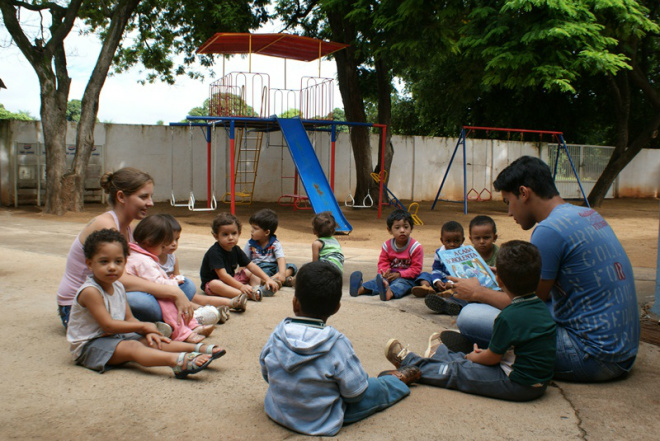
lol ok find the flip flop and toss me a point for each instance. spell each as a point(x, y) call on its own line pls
point(355, 283)
point(380, 283)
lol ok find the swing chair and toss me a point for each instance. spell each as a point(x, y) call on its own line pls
point(478, 195)
point(212, 204)
point(367, 201)
point(397, 203)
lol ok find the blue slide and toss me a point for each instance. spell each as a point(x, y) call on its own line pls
point(311, 173)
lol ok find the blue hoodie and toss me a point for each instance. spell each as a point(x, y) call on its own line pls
point(310, 369)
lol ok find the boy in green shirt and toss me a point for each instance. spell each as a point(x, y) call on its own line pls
point(519, 361)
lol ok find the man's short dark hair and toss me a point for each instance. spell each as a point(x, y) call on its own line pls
point(452, 227)
point(518, 266)
point(481, 220)
point(318, 289)
point(398, 215)
point(265, 219)
point(529, 172)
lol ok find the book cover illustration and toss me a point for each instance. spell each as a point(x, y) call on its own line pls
point(465, 262)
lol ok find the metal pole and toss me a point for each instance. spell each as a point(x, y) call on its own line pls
point(232, 131)
point(208, 167)
point(656, 305)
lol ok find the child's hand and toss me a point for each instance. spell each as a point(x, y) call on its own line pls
point(271, 285)
point(246, 289)
point(391, 276)
point(148, 328)
point(156, 340)
point(440, 286)
point(472, 355)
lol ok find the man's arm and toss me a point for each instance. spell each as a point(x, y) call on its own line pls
point(543, 290)
point(471, 291)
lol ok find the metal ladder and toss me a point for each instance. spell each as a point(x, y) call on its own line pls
point(247, 154)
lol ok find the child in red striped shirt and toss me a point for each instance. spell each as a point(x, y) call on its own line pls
point(399, 264)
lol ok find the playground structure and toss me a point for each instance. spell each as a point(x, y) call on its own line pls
point(244, 104)
point(477, 194)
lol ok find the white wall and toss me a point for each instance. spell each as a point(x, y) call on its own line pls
point(418, 166)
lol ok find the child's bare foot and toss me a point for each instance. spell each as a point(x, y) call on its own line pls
point(204, 330)
point(194, 338)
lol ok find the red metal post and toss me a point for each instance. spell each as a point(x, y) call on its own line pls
point(208, 167)
point(232, 168)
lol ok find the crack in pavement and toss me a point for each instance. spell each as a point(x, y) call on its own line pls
point(576, 411)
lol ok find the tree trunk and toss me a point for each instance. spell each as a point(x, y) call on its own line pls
point(349, 87)
point(75, 179)
point(54, 87)
point(625, 150)
point(384, 83)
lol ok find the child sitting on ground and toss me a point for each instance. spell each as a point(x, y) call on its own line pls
point(483, 234)
point(452, 237)
point(266, 251)
point(226, 270)
point(520, 358)
point(151, 236)
point(316, 383)
point(102, 330)
point(400, 262)
point(326, 248)
point(207, 314)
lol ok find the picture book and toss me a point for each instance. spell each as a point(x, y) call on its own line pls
point(465, 262)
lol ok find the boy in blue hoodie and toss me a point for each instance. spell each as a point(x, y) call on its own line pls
point(316, 383)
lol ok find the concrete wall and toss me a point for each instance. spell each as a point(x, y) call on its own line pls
point(418, 167)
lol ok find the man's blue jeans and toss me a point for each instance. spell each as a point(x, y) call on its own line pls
point(145, 307)
point(381, 393)
point(573, 363)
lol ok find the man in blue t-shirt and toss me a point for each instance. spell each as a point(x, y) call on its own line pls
point(586, 277)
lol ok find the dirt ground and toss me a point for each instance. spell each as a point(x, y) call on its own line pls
point(46, 397)
point(635, 222)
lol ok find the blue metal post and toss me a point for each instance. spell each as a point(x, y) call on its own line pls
point(461, 138)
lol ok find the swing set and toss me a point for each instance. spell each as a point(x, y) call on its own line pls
point(484, 194)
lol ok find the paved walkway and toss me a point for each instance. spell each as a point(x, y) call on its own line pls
point(46, 397)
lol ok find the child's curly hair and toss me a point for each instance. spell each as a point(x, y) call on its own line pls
point(97, 238)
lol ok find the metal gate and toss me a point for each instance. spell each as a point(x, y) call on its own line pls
point(589, 161)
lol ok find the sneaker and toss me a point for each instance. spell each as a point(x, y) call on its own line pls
point(442, 306)
point(456, 342)
point(223, 312)
point(408, 374)
point(355, 283)
point(207, 315)
point(239, 303)
point(164, 329)
point(395, 352)
point(434, 342)
point(422, 291)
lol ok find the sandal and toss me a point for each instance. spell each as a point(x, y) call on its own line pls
point(239, 303)
point(187, 359)
point(223, 312)
point(289, 281)
point(255, 294)
point(209, 350)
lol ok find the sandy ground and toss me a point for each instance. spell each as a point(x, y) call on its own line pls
point(45, 396)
